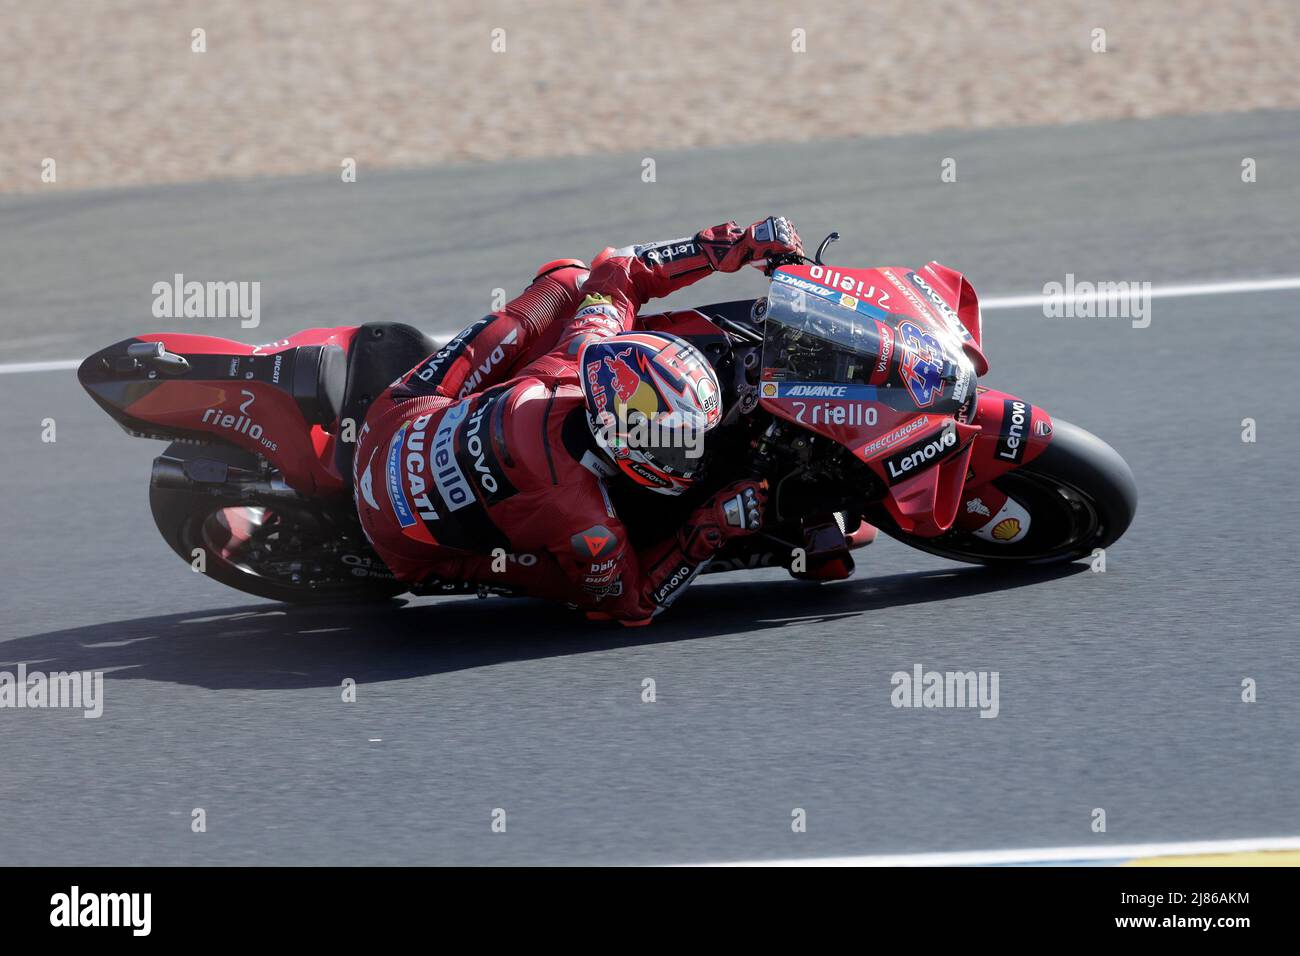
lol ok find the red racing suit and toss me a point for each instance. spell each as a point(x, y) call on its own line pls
point(478, 464)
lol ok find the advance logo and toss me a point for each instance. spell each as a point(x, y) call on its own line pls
point(934, 447)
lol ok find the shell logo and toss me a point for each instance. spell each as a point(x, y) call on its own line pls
point(769, 390)
point(848, 301)
point(1006, 529)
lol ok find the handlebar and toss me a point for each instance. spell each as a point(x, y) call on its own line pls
point(794, 258)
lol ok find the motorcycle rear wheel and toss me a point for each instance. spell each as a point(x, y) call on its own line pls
point(259, 550)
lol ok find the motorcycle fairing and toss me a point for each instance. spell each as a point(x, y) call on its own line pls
point(954, 292)
point(238, 393)
point(1013, 433)
point(859, 356)
point(922, 460)
point(926, 503)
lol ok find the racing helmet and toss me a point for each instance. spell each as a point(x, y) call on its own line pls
point(651, 397)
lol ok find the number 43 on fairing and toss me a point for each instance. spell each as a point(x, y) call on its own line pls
point(921, 364)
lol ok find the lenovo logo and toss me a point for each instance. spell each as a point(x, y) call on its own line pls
point(915, 457)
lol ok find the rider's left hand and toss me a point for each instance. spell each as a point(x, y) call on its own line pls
point(734, 511)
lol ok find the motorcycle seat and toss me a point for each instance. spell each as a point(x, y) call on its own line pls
point(380, 353)
point(319, 381)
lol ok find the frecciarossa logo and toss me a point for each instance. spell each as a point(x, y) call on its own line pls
point(906, 462)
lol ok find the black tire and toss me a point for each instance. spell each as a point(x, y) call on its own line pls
point(196, 519)
point(1079, 492)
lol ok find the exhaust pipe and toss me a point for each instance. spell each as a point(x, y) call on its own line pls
point(215, 477)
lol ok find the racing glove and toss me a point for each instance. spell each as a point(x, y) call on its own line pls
point(728, 247)
point(657, 577)
point(734, 511)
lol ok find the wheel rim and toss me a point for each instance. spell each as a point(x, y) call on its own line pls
point(261, 543)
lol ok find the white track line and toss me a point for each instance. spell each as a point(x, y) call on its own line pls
point(1031, 300)
point(1056, 854)
point(59, 366)
point(1157, 292)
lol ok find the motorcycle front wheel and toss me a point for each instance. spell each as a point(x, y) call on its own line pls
point(1080, 495)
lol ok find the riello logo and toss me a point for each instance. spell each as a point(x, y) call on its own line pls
point(915, 457)
point(240, 422)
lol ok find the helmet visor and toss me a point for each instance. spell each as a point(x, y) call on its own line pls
point(672, 443)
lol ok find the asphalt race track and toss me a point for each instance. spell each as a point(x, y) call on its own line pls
point(1119, 690)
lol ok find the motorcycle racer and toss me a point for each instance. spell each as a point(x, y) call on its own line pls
point(489, 461)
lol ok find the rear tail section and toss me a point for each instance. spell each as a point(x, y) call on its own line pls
point(280, 400)
point(254, 490)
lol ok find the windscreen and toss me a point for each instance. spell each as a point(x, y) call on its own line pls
point(812, 338)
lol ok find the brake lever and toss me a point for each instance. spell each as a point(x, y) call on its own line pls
point(793, 258)
point(782, 259)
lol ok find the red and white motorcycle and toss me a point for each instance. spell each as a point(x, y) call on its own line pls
point(853, 391)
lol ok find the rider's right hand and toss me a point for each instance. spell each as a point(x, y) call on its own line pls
point(728, 247)
point(733, 512)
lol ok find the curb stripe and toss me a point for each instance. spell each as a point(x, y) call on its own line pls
point(1061, 855)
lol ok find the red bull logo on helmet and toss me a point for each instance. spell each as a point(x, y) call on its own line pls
point(635, 391)
point(625, 378)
